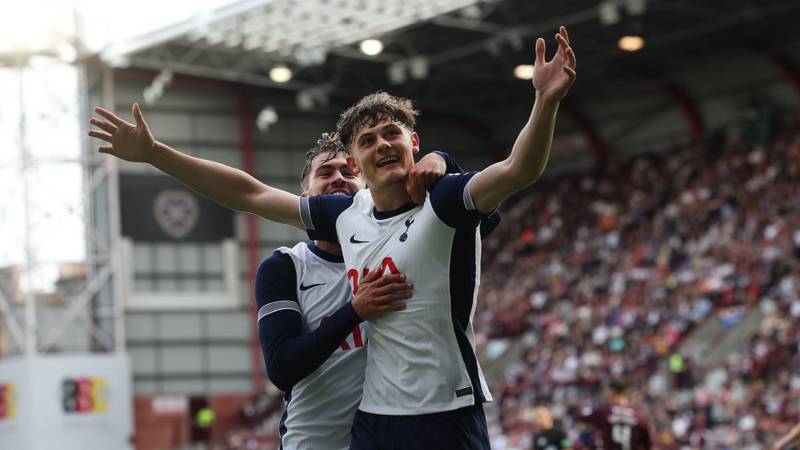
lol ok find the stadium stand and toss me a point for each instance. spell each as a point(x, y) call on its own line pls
point(608, 272)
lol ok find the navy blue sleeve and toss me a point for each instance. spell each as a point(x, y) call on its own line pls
point(452, 165)
point(488, 223)
point(290, 355)
point(319, 214)
point(451, 201)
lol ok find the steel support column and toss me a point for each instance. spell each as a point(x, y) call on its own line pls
point(247, 148)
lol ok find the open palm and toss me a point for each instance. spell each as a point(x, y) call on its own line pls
point(552, 79)
point(130, 142)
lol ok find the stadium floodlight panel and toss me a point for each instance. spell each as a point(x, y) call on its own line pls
point(371, 47)
point(631, 43)
point(396, 72)
point(524, 71)
point(608, 12)
point(418, 67)
point(266, 117)
point(289, 27)
point(305, 100)
point(280, 74)
point(636, 7)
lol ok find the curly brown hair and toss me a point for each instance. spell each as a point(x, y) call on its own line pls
point(328, 143)
point(372, 109)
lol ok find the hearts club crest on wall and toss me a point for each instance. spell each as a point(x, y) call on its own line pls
point(176, 212)
point(155, 208)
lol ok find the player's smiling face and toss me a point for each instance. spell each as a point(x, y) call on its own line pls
point(332, 176)
point(384, 153)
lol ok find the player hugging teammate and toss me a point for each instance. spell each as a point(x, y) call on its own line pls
point(410, 249)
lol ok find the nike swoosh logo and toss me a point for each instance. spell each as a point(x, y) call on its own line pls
point(305, 288)
point(353, 240)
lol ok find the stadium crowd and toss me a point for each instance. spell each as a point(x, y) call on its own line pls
point(601, 275)
point(609, 271)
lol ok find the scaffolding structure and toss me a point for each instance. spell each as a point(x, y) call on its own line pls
point(50, 112)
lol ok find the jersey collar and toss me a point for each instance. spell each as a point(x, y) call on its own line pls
point(323, 254)
point(395, 212)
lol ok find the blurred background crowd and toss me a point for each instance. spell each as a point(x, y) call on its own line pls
point(606, 273)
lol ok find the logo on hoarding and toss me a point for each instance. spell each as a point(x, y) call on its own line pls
point(176, 212)
point(8, 407)
point(84, 395)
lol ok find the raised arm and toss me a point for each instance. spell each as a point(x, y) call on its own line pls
point(230, 187)
point(552, 79)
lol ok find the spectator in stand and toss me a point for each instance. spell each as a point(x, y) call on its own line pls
point(548, 436)
point(618, 425)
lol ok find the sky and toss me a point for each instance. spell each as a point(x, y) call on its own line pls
point(111, 20)
point(46, 91)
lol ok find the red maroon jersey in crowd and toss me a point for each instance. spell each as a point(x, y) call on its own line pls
point(619, 427)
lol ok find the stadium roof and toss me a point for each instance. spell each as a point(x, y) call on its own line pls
point(240, 41)
point(459, 55)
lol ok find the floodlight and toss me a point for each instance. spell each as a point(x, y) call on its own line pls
point(631, 43)
point(608, 12)
point(524, 71)
point(636, 7)
point(280, 74)
point(418, 67)
point(268, 116)
point(305, 100)
point(371, 47)
point(397, 73)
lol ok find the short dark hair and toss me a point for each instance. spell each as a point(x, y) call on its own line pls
point(372, 109)
point(328, 143)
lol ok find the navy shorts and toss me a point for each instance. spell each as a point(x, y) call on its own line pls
point(461, 429)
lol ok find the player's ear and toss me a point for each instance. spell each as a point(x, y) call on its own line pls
point(414, 142)
point(305, 193)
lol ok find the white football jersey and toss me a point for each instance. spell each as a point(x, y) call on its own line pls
point(320, 408)
point(422, 359)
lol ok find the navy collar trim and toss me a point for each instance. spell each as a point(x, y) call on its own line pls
point(323, 254)
point(395, 212)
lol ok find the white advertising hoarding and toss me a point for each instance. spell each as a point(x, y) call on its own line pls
point(68, 402)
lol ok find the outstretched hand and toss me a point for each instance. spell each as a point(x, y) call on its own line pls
point(131, 142)
point(552, 79)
